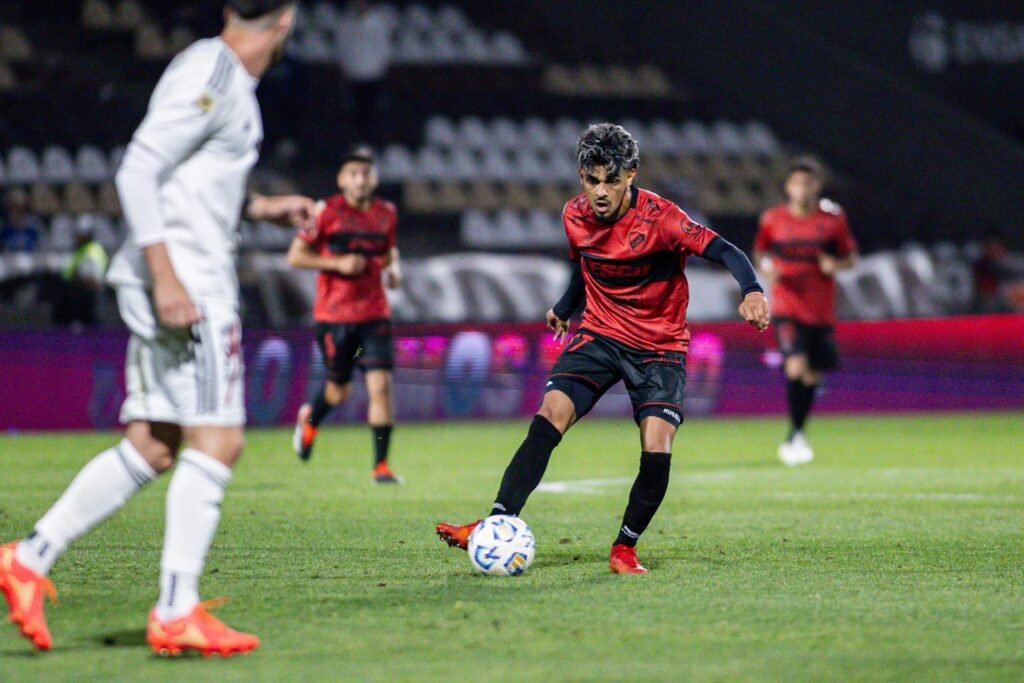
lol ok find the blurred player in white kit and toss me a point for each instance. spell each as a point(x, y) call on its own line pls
point(182, 186)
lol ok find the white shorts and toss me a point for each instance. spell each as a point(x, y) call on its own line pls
point(192, 378)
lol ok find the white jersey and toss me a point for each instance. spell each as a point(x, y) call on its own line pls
point(184, 176)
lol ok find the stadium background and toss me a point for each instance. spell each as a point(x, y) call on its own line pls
point(916, 109)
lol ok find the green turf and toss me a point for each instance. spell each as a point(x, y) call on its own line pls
point(897, 555)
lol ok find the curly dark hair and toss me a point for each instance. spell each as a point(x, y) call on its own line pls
point(609, 145)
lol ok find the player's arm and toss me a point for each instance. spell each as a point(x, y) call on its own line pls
point(393, 268)
point(285, 211)
point(181, 116)
point(754, 307)
point(302, 254)
point(846, 251)
point(559, 315)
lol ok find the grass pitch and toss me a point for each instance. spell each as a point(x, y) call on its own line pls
point(897, 555)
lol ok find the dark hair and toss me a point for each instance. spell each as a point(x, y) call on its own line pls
point(361, 153)
point(806, 164)
point(254, 9)
point(608, 145)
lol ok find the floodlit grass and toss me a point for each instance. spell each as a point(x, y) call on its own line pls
point(897, 555)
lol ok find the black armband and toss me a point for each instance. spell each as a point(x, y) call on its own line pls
point(573, 296)
point(725, 253)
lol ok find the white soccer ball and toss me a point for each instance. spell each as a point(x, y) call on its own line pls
point(502, 546)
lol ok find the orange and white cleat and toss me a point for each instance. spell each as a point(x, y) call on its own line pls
point(625, 561)
point(305, 433)
point(201, 632)
point(457, 536)
point(25, 591)
point(382, 474)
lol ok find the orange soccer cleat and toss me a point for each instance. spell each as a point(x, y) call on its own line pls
point(625, 561)
point(382, 474)
point(305, 433)
point(199, 631)
point(25, 590)
point(457, 536)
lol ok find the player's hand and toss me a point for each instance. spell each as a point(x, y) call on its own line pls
point(754, 310)
point(350, 265)
point(559, 326)
point(286, 211)
point(174, 307)
point(829, 264)
point(393, 277)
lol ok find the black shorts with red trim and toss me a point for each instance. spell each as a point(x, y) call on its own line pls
point(817, 342)
point(347, 346)
point(592, 364)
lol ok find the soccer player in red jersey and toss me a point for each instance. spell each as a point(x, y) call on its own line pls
point(354, 247)
point(629, 249)
point(800, 247)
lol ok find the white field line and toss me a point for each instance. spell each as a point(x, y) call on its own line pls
point(598, 486)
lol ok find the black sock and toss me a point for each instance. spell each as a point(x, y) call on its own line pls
point(645, 497)
point(801, 398)
point(321, 408)
point(527, 467)
point(381, 443)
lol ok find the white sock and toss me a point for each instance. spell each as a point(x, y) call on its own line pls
point(193, 513)
point(102, 488)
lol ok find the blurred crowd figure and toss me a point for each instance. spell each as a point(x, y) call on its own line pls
point(82, 279)
point(998, 278)
point(364, 56)
point(21, 231)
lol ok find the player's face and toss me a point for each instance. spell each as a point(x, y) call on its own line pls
point(608, 195)
point(357, 180)
point(803, 188)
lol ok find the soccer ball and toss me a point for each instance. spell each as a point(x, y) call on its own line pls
point(502, 546)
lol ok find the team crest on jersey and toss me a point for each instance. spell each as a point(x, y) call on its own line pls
point(636, 240)
point(205, 103)
point(690, 227)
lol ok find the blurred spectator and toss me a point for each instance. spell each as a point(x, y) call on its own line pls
point(364, 55)
point(21, 230)
point(995, 269)
point(82, 279)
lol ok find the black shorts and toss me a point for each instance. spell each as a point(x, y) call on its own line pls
point(817, 342)
point(367, 345)
point(592, 364)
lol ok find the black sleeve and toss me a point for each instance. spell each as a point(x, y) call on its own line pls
point(724, 252)
point(573, 296)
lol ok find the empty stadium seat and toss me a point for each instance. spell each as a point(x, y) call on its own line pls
point(22, 166)
point(462, 165)
point(506, 49)
point(536, 133)
point(473, 133)
point(91, 165)
point(475, 48)
point(397, 163)
point(504, 133)
point(451, 19)
point(57, 165)
point(440, 131)
point(431, 164)
point(62, 233)
point(483, 195)
point(694, 138)
point(761, 138)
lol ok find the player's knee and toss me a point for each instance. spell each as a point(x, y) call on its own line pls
point(157, 444)
point(657, 435)
point(337, 393)
point(796, 367)
point(558, 409)
point(379, 387)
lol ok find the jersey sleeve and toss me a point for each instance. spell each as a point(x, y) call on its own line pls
point(685, 235)
point(763, 240)
point(185, 109)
